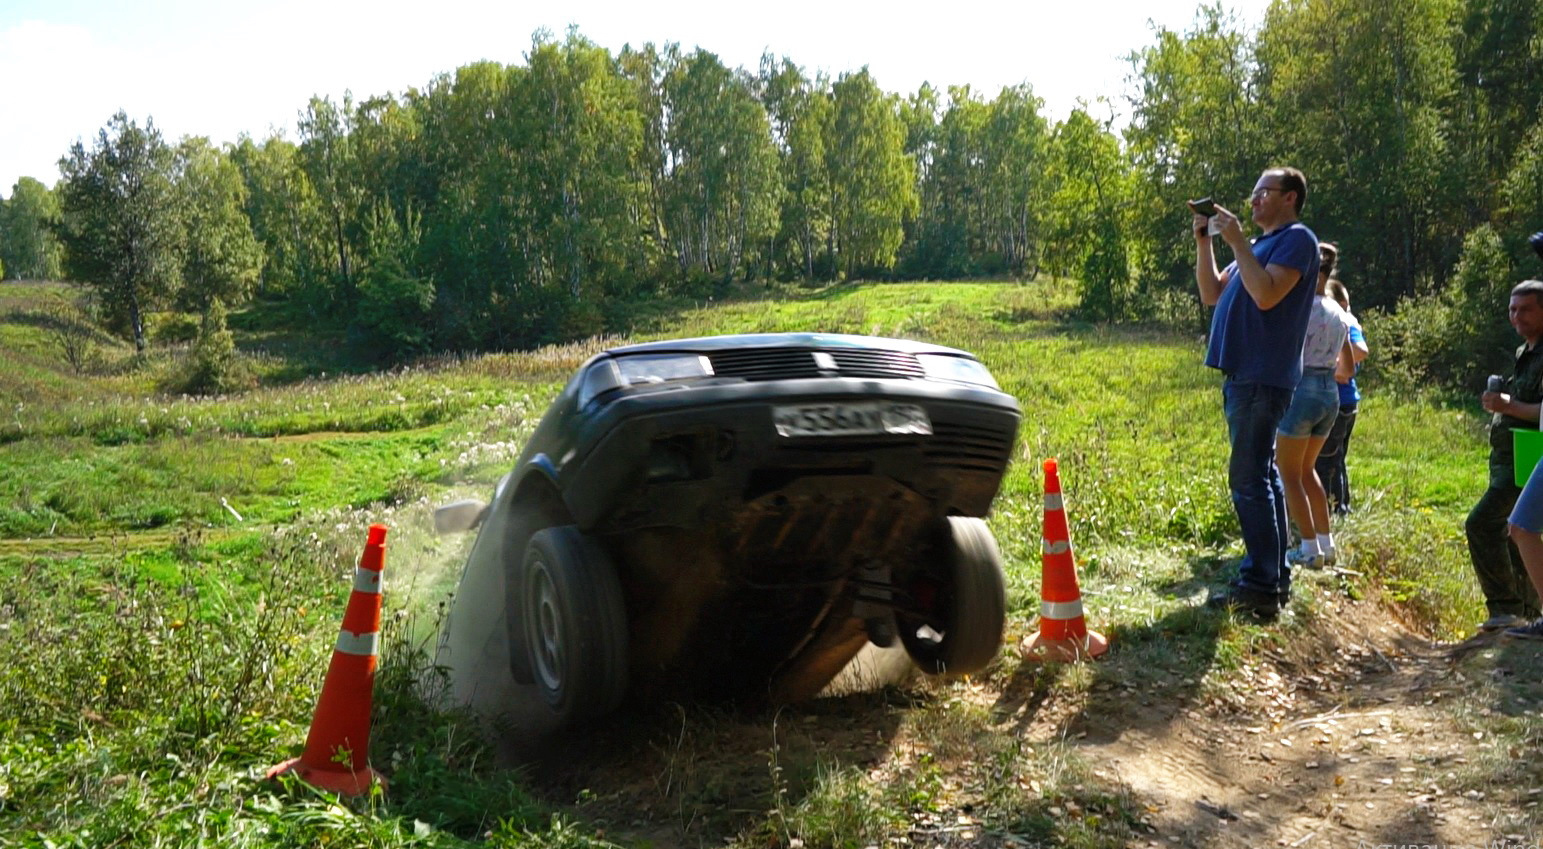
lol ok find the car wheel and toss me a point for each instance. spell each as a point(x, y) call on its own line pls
point(954, 623)
point(575, 624)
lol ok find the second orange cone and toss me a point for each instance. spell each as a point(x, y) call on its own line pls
point(337, 749)
point(1063, 633)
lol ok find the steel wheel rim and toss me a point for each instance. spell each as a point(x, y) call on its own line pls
point(548, 626)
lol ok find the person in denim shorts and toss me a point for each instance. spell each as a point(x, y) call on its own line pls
point(1333, 470)
point(1310, 418)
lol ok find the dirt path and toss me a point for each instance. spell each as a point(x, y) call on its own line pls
point(114, 542)
point(1376, 760)
point(1356, 740)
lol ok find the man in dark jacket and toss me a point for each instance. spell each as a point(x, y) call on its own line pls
point(1508, 594)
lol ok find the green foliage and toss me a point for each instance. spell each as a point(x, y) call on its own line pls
point(800, 113)
point(1460, 334)
point(1522, 194)
point(1369, 84)
point(872, 180)
point(1384, 105)
point(221, 258)
point(326, 157)
point(1091, 187)
point(721, 199)
point(841, 810)
point(582, 133)
point(1194, 133)
point(1498, 65)
point(394, 306)
point(173, 328)
point(546, 193)
point(983, 192)
point(29, 249)
point(121, 228)
point(214, 367)
point(286, 216)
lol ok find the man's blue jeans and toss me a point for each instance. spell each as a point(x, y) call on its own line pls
point(1254, 411)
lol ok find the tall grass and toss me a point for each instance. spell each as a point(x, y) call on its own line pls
point(154, 672)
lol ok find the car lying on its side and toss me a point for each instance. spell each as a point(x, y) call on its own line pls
point(739, 515)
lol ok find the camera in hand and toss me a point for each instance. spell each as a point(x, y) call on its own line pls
point(1536, 240)
point(1496, 383)
point(1207, 207)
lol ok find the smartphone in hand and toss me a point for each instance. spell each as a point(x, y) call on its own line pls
point(1204, 206)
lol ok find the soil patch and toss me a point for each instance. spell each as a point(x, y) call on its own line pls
point(1343, 741)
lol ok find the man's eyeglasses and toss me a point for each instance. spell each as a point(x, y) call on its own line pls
point(1264, 190)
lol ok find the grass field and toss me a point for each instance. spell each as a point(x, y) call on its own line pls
point(171, 570)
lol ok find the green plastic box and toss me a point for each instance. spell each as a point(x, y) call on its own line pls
point(1528, 445)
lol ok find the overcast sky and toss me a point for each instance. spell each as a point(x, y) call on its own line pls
point(220, 69)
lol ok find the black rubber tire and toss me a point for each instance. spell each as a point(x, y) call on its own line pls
point(575, 622)
point(968, 604)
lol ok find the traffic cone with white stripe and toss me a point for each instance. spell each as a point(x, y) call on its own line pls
point(1063, 633)
point(337, 749)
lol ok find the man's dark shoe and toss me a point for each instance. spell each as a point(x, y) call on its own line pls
point(1531, 631)
point(1242, 602)
point(1502, 621)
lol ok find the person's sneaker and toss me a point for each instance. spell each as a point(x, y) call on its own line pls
point(1502, 621)
point(1265, 608)
point(1296, 557)
point(1531, 631)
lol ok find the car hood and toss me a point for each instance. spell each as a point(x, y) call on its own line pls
point(708, 344)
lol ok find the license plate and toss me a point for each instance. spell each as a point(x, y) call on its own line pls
point(850, 419)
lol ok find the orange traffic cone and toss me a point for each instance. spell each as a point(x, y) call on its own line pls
point(1063, 634)
point(337, 750)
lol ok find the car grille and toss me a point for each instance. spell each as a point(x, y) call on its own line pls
point(972, 447)
point(788, 364)
point(876, 364)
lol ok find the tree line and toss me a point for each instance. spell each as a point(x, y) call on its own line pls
point(506, 205)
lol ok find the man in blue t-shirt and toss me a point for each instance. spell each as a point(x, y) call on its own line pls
point(1262, 302)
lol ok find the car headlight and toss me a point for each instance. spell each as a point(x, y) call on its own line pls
point(658, 368)
point(960, 369)
point(642, 370)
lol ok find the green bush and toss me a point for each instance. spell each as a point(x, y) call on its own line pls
point(394, 308)
point(1457, 337)
point(214, 367)
point(176, 328)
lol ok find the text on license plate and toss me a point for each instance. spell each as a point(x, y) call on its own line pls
point(850, 418)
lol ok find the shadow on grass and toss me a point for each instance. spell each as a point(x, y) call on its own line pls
point(701, 773)
point(1148, 677)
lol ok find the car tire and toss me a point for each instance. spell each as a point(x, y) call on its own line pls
point(575, 623)
point(958, 629)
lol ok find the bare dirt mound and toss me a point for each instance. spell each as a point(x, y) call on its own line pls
point(1376, 758)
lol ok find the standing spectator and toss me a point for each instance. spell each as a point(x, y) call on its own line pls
point(1310, 418)
point(1526, 524)
point(1508, 595)
point(1331, 466)
point(1262, 307)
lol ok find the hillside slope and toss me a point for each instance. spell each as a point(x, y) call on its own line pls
point(124, 511)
